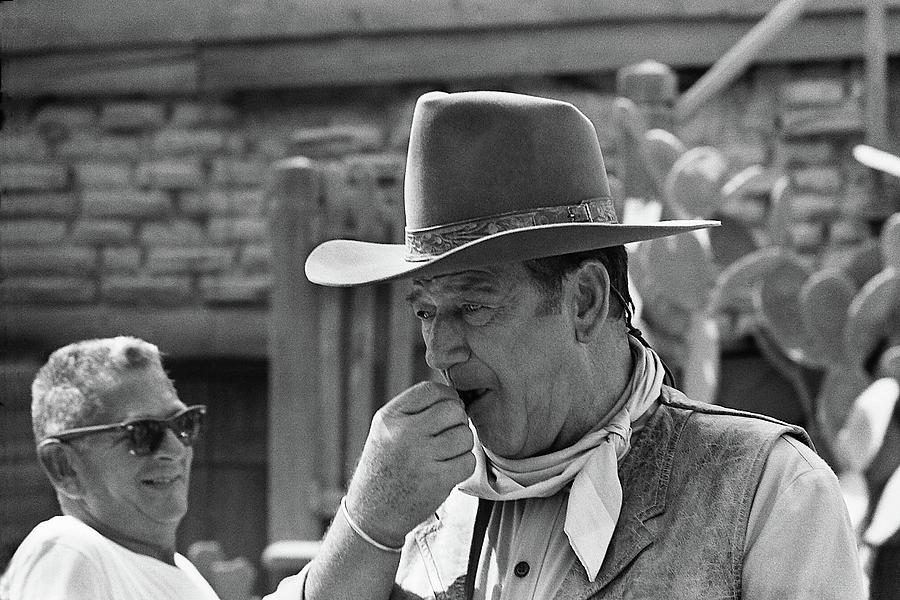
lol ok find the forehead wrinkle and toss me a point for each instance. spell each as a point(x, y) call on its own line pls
point(156, 416)
point(478, 281)
point(142, 413)
point(165, 399)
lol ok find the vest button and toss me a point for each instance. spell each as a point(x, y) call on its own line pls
point(521, 569)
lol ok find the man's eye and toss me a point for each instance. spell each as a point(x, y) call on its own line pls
point(424, 315)
point(477, 314)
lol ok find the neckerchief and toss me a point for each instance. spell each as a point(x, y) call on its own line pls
point(590, 465)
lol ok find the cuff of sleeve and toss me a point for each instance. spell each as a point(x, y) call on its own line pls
point(291, 588)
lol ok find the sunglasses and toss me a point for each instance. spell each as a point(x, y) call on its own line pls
point(145, 436)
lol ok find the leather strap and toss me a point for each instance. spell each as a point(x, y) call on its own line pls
point(481, 522)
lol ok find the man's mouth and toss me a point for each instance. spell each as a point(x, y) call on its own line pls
point(162, 481)
point(470, 396)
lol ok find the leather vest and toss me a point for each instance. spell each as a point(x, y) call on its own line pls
point(688, 484)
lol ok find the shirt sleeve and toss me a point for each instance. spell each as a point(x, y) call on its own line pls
point(800, 543)
point(59, 573)
point(291, 588)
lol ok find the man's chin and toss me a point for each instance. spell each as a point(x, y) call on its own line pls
point(168, 514)
point(493, 439)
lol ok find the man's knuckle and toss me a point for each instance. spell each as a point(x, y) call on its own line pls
point(460, 438)
point(468, 463)
point(443, 412)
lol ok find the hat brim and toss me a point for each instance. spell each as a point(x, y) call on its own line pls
point(346, 263)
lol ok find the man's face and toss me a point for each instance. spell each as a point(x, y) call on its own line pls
point(139, 497)
point(510, 358)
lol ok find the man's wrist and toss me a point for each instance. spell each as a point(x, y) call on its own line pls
point(359, 531)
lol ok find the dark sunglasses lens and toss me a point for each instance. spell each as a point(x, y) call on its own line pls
point(146, 436)
point(187, 426)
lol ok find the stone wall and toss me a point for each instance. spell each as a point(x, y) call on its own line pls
point(128, 203)
point(132, 202)
point(159, 202)
point(802, 122)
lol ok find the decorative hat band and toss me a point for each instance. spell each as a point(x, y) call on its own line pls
point(429, 242)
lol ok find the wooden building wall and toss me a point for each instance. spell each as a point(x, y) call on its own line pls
point(178, 46)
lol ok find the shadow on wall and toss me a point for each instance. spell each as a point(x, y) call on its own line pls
point(26, 497)
point(228, 495)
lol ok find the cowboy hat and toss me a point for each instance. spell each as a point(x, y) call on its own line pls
point(492, 177)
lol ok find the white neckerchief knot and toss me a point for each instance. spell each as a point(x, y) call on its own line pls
point(590, 465)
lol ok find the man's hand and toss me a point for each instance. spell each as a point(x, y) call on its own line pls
point(419, 447)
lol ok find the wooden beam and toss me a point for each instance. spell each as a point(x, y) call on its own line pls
point(746, 51)
point(122, 72)
point(292, 19)
point(31, 26)
point(34, 26)
point(180, 332)
point(441, 56)
point(431, 56)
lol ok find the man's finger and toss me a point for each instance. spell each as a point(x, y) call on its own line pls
point(444, 416)
point(460, 467)
point(423, 396)
point(454, 443)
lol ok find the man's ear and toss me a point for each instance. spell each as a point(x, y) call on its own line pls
point(57, 461)
point(590, 299)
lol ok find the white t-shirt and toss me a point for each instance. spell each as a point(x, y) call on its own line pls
point(64, 559)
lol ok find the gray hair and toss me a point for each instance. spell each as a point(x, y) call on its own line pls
point(68, 391)
point(548, 273)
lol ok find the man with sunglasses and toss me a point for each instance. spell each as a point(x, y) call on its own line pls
point(115, 441)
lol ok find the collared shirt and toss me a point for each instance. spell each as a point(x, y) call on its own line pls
point(797, 493)
point(797, 517)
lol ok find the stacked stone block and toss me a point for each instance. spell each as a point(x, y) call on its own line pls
point(800, 123)
point(132, 203)
point(162, 203)
point(823, 206)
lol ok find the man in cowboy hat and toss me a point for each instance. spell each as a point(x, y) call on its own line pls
point(583, 474)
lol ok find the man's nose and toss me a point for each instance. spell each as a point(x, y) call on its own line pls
point(445, 343)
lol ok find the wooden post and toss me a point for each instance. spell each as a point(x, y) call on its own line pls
point(359, 403)
point(735, 61)
point(876, 75)
point(404, 329)
point(331, 390)
point(647, 90)
point(875, 52)
point(293, 191)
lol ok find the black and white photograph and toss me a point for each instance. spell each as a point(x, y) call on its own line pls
point(449, 300)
